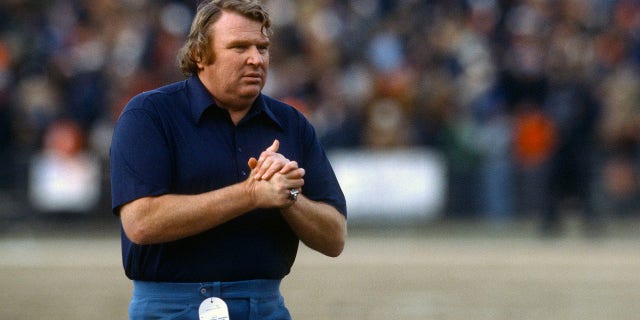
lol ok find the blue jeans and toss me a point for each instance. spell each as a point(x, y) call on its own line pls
point(246, 300)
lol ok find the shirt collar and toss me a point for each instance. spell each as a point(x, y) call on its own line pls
point(201, 100)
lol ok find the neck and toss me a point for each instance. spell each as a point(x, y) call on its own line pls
point(236, 115)
point(236, 111)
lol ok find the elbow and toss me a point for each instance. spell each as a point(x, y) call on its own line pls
point(137, 229)
point(331, 247)
point(335, 251)
point(337, 246)
point(137, 233)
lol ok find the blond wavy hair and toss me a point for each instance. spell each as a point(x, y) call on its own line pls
point(197, 47)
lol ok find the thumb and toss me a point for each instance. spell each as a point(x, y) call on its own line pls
point(274, 146)
point(252, 163)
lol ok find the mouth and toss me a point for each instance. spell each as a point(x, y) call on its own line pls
point(253, 78)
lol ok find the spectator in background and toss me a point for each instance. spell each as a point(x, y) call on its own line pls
point(481, 92)
point(617, 79)
point(574, 112)
point(6, 133)
point(64, 178)
point(72, 50)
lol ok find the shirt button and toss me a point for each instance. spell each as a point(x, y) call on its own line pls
point(239, 149)
point(203, 290)
point(244, 173)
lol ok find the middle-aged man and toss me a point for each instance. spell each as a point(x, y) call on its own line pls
point(211, 207)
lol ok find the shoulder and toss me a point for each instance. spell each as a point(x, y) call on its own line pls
point(154, 108)
point(168, 95)
point(291, 119)
point(283, 111)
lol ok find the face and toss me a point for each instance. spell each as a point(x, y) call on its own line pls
point(240, 61)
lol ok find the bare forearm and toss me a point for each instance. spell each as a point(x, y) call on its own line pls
point(318, 225)
point(171, 217)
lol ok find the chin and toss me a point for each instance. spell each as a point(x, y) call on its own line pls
point(249, 95)
point(252, 91)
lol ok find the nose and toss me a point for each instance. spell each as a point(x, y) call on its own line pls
point(255, 56)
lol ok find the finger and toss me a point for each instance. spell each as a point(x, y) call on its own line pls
point(295, 184)
point(260, 164)
point(252, 163)
point(267, 165)
point(263, 169)
point(274, 146)
point(290, 166)
point(263, 166)
point(264, 156)
point(274, 166)
point(296, 174)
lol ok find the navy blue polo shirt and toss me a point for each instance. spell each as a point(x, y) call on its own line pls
point(175, 140)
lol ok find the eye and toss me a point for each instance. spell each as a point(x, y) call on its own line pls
point(239, 48)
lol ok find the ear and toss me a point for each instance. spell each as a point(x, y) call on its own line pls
point(198, 59)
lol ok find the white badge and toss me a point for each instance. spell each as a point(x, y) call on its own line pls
point(213, 309)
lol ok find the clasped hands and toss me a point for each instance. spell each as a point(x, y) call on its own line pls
point(272, 177)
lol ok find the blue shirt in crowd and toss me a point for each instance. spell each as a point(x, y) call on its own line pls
point(175, 140)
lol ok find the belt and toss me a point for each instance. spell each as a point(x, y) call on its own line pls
point(260, 288)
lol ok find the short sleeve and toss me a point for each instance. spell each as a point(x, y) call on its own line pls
point(321, 183)
point(140, 158)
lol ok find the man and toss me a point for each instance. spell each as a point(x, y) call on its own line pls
point(211, 207)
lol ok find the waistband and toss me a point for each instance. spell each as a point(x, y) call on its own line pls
point(260, 288)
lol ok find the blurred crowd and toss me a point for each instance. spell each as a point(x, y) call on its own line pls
point(528, 100)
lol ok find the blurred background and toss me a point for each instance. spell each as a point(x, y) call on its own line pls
point(491, 111)
point(463, 132)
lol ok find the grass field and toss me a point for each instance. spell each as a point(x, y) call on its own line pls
point(453, 271)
